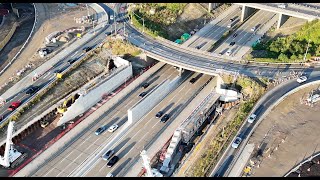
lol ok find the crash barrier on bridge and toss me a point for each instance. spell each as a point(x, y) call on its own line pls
point(63, 54)
point(85, 101)
point(208, 26)
point(4, 42)
point(301, 163)
point(142, 107)
point(242, 161)
point(47, 154)
point(25, 43)
point(242, 145)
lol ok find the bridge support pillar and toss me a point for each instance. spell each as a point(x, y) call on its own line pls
point(246, 12)
point(282, 19)
point(212, 6)
point(180, 71)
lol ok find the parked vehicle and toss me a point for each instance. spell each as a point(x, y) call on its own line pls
point(44, 124)
point(165, 118)
point(86, 49)
point(235, 35)
point(71, 61)
point(100, 130)
point(253, 28)
point(109, 175)
point(14, 105)
point(113, 161)
point(302, 79)
point(252, 118)
point(31, 90)
point(108, 155)
point(159, 114)
point(113, 128)
point(232, 43)
point(228, 52)
point(236, 142)
point(193, 80)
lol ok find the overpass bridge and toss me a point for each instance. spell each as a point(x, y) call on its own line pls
point(294, 10)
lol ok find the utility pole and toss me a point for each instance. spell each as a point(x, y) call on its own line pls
point(305, 55)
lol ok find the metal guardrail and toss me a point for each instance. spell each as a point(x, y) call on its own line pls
point(301, 163)
point(25, 43)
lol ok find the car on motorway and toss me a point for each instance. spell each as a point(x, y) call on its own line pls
point(232, 43)
point(159, 114)
point(228, 52)
point(193, 80)
point(14, 105)
point(113, 128)
point(86, 49)
point(235, 35)
point(252, 118)
point(57, 71)
point(302, 79)
point(253, 28)
point(31, 90)
point(113, 161)
point(100, 130)
point(236, 142)
point(145, 85)
point(165, 118)
point(142, 94)
point(108, 155)
point(108, 33)
point(71, 61)
point(109, 175)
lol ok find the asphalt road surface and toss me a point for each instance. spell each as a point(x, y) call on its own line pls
point(87, 143)
point(231, 154)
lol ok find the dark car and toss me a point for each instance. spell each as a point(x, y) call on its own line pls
point(159, 114)
point(232, 19)
point(100, 130)
point(165, 118)
point(86, 49)
point(232, 43)
point(198, 47)
point(32, 90)
point(193, 80)
point(235, 35)
point(57, 71)
point(142, 94)
point(113, 161)
point(108, 33)
point(71, 61)
point(145, 85)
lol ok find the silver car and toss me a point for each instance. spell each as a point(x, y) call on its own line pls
point(236, 142)
point(108, 155)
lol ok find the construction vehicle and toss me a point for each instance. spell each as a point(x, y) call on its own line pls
point(67, 103)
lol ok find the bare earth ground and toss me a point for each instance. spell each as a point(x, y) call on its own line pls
point(294, 122)
point(7, 24)
point(52, 17)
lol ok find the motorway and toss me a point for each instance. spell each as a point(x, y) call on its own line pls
point(215, 32)
point(50, 75)
point(230, 156)
point(87, 143)
point(147, 130)
point(244, 33)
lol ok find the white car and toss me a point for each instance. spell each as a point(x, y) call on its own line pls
point(253, 28)
point(302, 79)
point(236, 142)
point(228, 52)
point(111, 17)
point(113, 128)
point(252, 118)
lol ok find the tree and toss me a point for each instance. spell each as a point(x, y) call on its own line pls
point(282, 57)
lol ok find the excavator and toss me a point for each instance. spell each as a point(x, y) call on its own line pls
point(67, 103)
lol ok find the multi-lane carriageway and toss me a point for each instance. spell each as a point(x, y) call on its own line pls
point(67, 162)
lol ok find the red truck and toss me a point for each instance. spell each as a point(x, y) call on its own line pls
point(14, 105)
